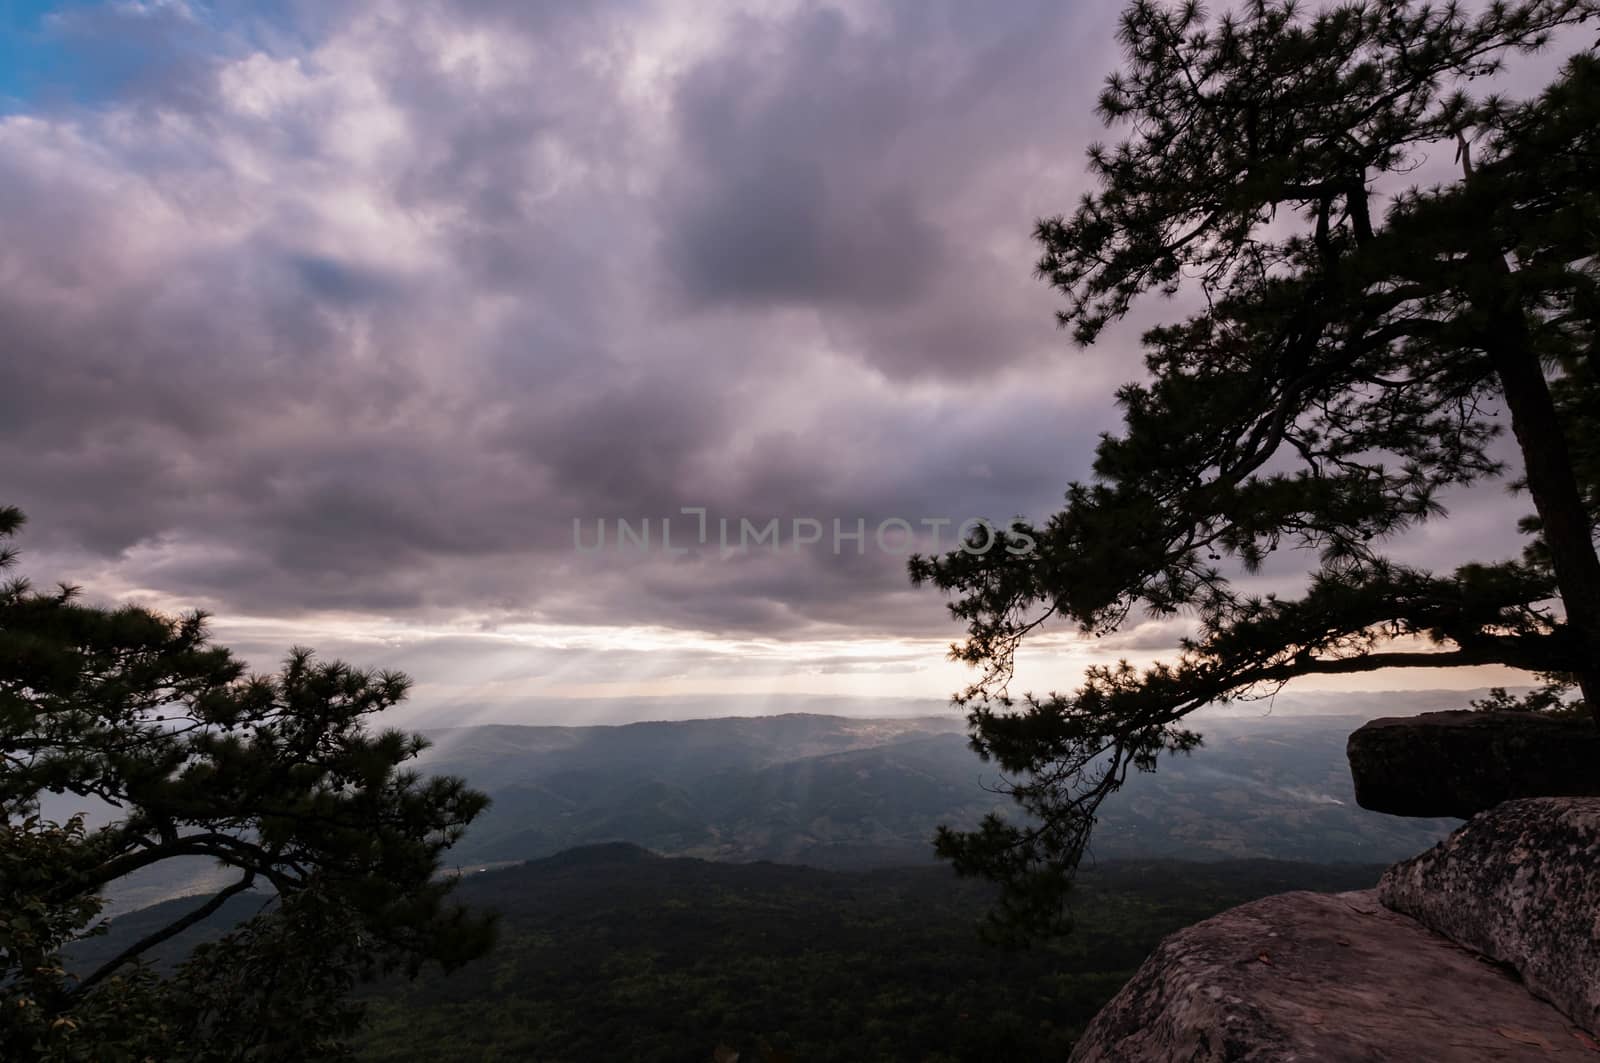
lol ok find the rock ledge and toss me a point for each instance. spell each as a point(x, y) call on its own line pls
point(1324, 978)
point(1520, 884)
point(1462, 763)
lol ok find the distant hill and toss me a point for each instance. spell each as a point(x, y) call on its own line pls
point(848, 793)
point(612, 952)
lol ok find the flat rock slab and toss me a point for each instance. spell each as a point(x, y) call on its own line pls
point(1462, 763)
point(1324, 978)
point(1520, 884)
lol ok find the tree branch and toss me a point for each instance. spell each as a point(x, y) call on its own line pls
point(166, 933)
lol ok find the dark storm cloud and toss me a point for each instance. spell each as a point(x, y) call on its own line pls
point(873, 168)
point(779, 234)
point(781, 134)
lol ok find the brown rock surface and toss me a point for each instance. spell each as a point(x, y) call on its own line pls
point(1462, 763)
point(1520, 884)
point(1320, 978)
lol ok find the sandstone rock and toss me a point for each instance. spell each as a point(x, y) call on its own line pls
point(1520, 884)
point(1319, 978)
point(1461, 763)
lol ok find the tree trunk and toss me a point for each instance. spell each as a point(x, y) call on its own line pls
point(1548, 467)
point(1546, 460)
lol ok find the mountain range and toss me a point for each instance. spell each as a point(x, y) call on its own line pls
point(852, 793)
point(847, 793)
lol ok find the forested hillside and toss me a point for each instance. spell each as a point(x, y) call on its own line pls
point(611, 953)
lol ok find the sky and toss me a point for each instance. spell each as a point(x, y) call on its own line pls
point(354, 324)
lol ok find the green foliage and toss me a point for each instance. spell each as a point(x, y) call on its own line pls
point(275, 777)
point(610, 954)
point(1552, 699)
point(1356, 357)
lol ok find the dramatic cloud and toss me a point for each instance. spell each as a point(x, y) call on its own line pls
point(352, 312)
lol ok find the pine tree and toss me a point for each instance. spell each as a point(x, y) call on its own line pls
point(1361, 346)
point(277, 778)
